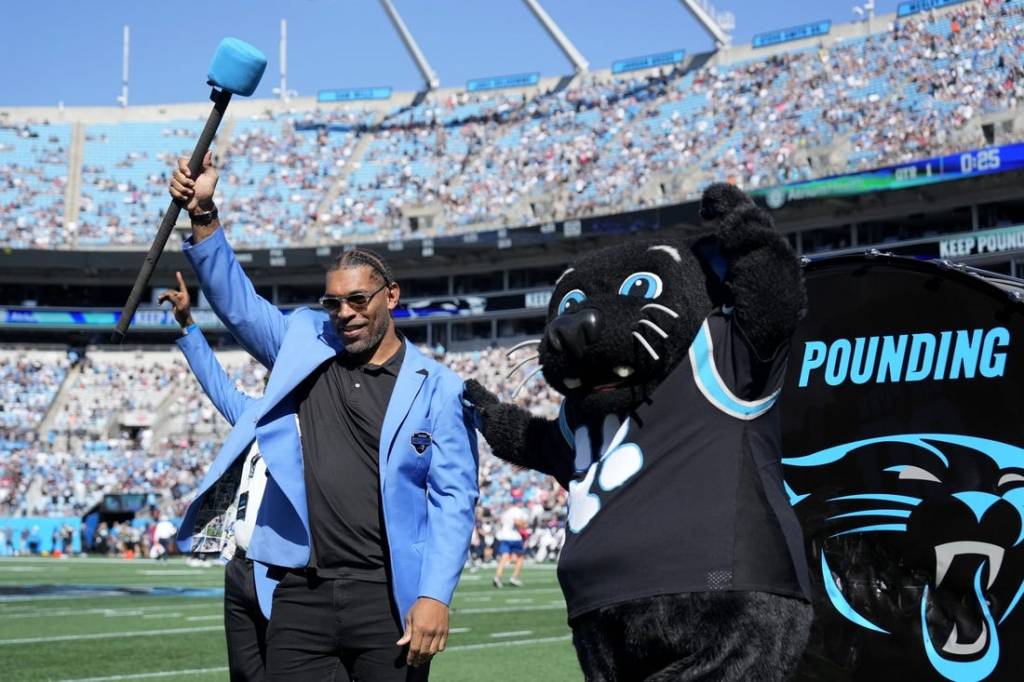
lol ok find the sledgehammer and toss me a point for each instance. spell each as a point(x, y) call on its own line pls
point(236, 69)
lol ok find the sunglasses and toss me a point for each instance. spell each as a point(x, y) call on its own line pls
point(356, 301)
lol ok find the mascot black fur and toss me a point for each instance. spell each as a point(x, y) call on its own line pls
point(683, 560)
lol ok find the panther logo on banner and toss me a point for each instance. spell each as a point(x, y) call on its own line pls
point(918, 508)
point(904, 441)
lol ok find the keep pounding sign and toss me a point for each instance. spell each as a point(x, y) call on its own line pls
point(988, 241)
point(959, 354)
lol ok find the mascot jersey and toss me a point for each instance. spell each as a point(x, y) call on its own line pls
point(692, 477)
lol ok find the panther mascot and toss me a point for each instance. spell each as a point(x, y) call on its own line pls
point(683, 559)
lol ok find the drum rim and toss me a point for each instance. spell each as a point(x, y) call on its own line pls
point(972, 277)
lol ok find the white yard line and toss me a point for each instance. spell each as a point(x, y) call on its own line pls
point(30, 569)
point(90, 560)
point(146, 676)
point(517, 590)
point(144, 611)
point(110, 635)
point(17, 598)
point(517, 642)
point(513, 633)
point(207, 671)
point(215, 616)
point(63, 613)
point(512, 609)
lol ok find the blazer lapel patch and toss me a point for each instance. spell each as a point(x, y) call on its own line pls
point(407, 387)
point(420, 441)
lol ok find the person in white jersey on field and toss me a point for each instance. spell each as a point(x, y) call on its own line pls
point(510, 544)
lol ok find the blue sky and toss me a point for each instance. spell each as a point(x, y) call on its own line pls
point(70, 50)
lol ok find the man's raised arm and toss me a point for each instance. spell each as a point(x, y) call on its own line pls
point(216, 383)
point(255, 323)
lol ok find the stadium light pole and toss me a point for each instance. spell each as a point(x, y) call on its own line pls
point(865, 12)
point(717, 24)
point(282, 91)
point(123, 99)
point(429, 75)
point(579, 62)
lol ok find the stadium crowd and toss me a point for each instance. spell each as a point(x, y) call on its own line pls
point(915, 89)
point(33, 178)
point(95, 446)
point(133, 421)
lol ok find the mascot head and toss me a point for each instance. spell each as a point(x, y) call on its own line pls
point(622, 318)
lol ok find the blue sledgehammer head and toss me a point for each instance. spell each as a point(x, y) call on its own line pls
point(236, 67)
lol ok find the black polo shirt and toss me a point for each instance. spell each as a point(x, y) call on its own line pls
point(341, 411)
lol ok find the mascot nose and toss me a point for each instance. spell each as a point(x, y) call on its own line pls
point(572, 333)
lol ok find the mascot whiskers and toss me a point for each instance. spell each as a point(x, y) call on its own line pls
point(683, 559)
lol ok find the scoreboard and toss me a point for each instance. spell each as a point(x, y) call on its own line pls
point(946, 168)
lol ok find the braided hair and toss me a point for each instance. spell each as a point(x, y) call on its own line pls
point(359, 257)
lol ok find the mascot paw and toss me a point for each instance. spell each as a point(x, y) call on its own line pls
point(720, 199)
point(583, 504)
point(477, 396)
point(611, 471)
point(620, 465)
point(742, 225)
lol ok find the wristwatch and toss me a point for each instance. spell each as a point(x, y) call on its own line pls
point(204, 218)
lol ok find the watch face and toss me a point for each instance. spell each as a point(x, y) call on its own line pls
point(205, 218)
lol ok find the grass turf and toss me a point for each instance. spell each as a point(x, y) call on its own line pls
point(99, 619)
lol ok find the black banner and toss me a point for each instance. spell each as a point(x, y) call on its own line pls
point(904, 443)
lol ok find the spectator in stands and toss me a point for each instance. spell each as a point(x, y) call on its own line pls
point(914, 90)
point(75, 472)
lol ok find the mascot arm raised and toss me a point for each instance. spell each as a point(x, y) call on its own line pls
point(763, 274)
point(520, 438)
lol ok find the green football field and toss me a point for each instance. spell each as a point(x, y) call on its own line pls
point(109, 619)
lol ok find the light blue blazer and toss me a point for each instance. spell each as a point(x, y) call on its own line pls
point(428, 496)
point(217, 385)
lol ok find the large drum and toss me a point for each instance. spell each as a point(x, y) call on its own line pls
point(903, 432)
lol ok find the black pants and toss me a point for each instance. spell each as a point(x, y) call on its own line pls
point(698, 637)
point(336, 631)
point(244, 623)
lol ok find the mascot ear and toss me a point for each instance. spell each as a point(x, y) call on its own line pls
point(720, 199)
point(740, 224)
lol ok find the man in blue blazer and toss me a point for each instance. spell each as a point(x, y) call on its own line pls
point(372, 462)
